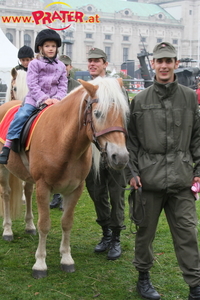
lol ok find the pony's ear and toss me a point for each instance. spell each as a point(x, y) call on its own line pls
point(120, 81)
point(14, 73)
point(90, 88)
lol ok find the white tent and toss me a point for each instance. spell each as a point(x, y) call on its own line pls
point(8, 58)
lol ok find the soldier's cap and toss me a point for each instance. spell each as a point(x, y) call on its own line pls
point(164, 49)
point(97, 53)
point(65, 59)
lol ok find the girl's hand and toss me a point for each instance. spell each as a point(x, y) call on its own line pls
point(51, 101)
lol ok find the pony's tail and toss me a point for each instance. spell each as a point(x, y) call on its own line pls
point(16, 187)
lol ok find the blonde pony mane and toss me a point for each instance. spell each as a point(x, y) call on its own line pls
point(109, 93)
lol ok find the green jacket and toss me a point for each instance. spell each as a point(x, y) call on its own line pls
point(164, 137)
point(72, 84)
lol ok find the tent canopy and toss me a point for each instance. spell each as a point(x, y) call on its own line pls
point(8, 58)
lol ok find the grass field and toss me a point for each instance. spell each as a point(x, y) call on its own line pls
point(95, 276)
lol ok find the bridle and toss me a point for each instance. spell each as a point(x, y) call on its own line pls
point(89, 120)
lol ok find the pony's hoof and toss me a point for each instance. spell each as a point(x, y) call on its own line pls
point(31, 231)
point(68, 268)
point(37, 274)
point(8, 238)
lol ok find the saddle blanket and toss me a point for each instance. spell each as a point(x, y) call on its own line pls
point(7, 119)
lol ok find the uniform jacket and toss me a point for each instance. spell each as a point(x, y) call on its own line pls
point(72, 84)
point(164, 137)
point(45, 80)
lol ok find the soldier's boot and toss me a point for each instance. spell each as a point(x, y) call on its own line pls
point(115, 248)
point(145, 287)
point(104, 244)
point(56, 201)
point(194, 293)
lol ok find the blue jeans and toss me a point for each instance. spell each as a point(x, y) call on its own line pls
point(19, 120)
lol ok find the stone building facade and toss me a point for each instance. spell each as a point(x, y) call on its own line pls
point(125, 28)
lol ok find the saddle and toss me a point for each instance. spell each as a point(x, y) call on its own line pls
point(19, 144)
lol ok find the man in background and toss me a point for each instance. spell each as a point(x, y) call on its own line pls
point(106, 191)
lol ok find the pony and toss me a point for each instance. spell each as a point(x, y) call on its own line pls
point(60, 156)
point(18, 88)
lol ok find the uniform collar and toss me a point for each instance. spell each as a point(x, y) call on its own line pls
point(167, 89)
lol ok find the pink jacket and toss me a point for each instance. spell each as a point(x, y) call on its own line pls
point(45, 80)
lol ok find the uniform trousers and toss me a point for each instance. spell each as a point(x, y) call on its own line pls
point(181, 215)
point(110, 212)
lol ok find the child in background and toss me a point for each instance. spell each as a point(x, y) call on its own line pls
point(25, 55)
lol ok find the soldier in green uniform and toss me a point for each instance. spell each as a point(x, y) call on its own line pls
point(164, 146)
point(106, 191)
point(72, 83)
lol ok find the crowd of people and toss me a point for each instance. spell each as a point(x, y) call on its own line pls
point(164, 146)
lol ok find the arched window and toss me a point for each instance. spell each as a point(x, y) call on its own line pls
point(10, 37)
point(27, 40)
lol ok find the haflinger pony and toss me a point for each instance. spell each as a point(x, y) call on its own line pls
point(60, 155)
point(18, 89)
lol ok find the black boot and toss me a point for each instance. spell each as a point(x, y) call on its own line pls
point(104, 244)
point(56, 201)
point(145, 287)
point(115, 248)
point(4, 155)
point(194, 293)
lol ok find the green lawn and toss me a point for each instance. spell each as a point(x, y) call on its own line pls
point(95, 276)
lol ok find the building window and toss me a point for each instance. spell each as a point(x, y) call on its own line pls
point(89, 8)
point(175, 42)
point(126, 38)
point(88, 36)
point(88, 47)
point(69, 50)
point(27, 40)
point(108, 52)
point(69, 34)
point(126, 12)
point(143, 39)
point(125, 54)
point(10, 37)
point(107, 36)
point(190, 12)
point(159, 40)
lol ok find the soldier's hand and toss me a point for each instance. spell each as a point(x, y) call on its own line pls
point(134, 184)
